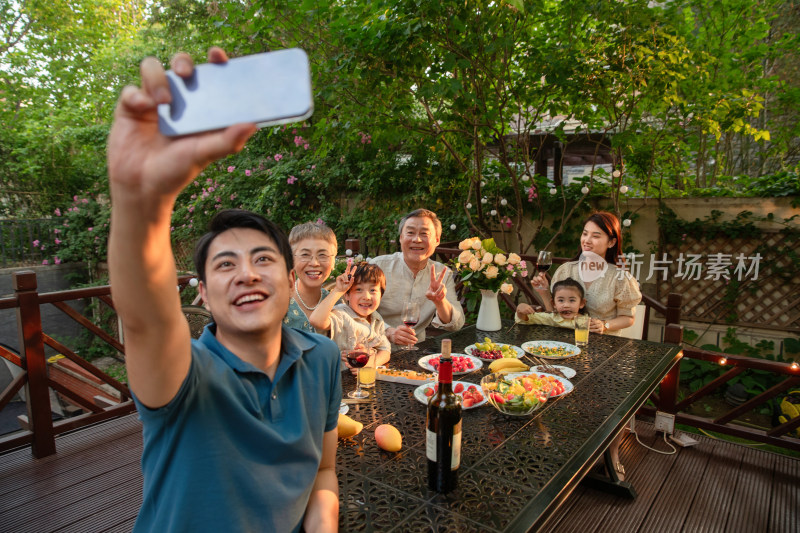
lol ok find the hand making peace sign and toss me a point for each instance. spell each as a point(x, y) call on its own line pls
point(437, 290)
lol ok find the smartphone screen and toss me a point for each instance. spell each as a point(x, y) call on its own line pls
point(269, 88)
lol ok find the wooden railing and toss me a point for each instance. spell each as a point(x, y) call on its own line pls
point(668, 400)
point(34, 376)
point(42, 432)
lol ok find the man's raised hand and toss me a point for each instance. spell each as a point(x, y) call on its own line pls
point(436, 290)
point(143, 160)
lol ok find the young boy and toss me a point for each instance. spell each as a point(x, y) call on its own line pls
point(568, 298)
point(357, 321)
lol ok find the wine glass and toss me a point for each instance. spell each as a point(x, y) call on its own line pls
point(410, 319)
point(357, 359)
point(544, 261)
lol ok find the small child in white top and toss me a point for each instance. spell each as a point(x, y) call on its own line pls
point(356, 324)
point(569, 300)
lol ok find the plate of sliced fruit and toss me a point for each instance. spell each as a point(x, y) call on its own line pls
point(491, 351)
point(471, 394)
point(462, 363)
point(558, 386)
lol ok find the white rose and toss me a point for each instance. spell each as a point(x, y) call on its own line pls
point(465, 257)
point(506, 288)
point(513, 259)
point(466, 244)
point(491, 272)
point(487, 258)
point(474, 264)
point(476, 243)
point(500, 259)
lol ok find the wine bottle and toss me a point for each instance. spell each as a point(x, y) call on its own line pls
point(443, 436)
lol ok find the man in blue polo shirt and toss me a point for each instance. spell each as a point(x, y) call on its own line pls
point(239, 426)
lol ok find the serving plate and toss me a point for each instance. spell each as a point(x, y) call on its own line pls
point(568, 372)
point(419, 393)
point(548, 349)
point(471, 347)
point(476, 363)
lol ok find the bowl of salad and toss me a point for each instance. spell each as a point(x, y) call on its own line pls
point(516, 393)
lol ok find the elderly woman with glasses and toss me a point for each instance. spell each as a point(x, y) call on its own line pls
point(314, 247)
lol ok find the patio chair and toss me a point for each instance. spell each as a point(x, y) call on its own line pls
point(637, 329)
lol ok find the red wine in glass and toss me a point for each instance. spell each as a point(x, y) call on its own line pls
point(357, 359)
point(544, 261)
point(410, 319)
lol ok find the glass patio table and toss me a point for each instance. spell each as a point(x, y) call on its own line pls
point(515, 471)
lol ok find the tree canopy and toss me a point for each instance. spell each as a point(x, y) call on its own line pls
point(445, 104)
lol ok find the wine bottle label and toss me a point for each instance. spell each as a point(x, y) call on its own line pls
point(430, 446)
point(456, 457)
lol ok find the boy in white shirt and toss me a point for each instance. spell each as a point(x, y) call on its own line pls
point(356, 323)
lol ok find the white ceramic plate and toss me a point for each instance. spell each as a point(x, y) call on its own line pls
point(471, 347)
point(568, 372)
point(343, 408)
point(535, 349)
point(419, 393)
point(476, 363)
point(567, 383)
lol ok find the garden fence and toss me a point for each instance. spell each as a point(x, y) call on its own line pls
point(16, 241)
point(770, 300)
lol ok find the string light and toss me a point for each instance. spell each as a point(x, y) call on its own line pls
point(723, 361)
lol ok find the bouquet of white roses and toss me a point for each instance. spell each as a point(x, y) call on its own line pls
point(482, 265)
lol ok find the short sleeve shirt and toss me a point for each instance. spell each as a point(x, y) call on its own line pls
point(234, 450)
point(615, 294)
point(348, 328)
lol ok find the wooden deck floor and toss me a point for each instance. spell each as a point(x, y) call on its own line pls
point(94, 484)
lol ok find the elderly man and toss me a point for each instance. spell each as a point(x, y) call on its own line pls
point(412, 275)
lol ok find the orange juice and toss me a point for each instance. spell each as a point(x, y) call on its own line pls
point(581, 337)
point(367, 376)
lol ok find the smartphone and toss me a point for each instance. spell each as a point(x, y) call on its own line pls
point(269, 88)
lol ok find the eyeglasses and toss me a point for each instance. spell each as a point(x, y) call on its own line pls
point(306, 257)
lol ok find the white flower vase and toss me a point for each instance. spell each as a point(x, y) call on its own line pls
point(489, 312)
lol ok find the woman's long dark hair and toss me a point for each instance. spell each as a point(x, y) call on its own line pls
point(609, 223)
